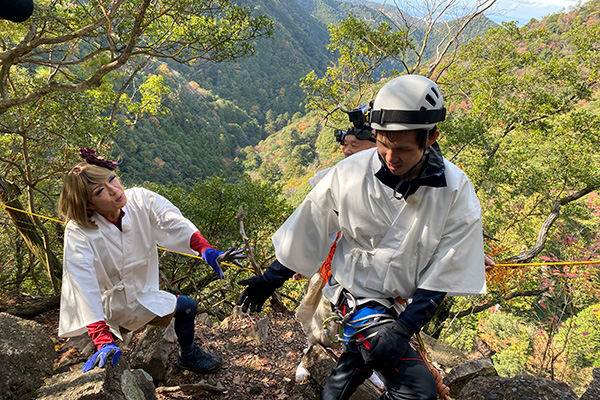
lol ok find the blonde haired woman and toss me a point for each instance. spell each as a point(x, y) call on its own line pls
point(110, 264)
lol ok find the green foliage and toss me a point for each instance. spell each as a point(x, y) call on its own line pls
point(506, 327)
point(198, 138)
point(516, 130)
point(511, 361)
point(293, 154)
point(584, 328)
point(268, 81)
point(361, 49)
point(463, 334)
point(74, 73)
point(153, 91)
point(212, 205)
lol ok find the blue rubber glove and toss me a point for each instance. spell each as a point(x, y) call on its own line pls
point(210, 256)
point(214, 258)
point(101, 356)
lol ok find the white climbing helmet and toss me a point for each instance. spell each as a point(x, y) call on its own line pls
point(407, 102)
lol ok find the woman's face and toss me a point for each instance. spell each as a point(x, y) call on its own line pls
point(108, 198)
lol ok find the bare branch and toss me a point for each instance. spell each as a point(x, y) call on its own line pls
point(240, 218)
point(491, 303)
point(190, 387)
point(528, 255)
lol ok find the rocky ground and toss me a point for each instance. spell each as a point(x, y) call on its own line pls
point(261, 355)
point(251, 370)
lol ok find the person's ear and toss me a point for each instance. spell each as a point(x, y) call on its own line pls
point(90, 206)
point(433, 138)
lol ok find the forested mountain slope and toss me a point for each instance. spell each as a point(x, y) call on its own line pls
point(546, 38)
point(269, 80)
point(217, 108)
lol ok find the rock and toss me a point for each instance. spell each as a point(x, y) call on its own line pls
point(483, 348)
point(70, 352)
point(443, 354)
point(152, 352)
point(593, 390)
point(319, 362)
point(137, 384)
point(204, 318)
point(460, 375)
point(259, 332)
point(521, 387)
point(237, 312)
point(117, 383)
point(27, 357)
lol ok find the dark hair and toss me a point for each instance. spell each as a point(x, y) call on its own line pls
point(422, 135)
point(90, 157)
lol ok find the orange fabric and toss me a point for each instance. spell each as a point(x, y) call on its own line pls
point(400, 300)
point(325, 270)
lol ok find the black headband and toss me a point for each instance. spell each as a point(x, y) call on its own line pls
point(383, 117)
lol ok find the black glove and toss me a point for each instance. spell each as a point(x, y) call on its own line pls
point(232, 255)
point(389, 346)
point(261, 287)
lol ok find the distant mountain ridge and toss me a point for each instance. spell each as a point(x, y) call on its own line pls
point(219, 108)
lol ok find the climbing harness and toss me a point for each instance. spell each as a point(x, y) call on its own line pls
point(356, 322)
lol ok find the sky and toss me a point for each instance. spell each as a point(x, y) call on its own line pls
point(523, 11)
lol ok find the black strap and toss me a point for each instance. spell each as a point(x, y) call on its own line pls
point(407, 117)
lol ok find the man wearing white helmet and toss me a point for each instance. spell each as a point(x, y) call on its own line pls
point(411, 235)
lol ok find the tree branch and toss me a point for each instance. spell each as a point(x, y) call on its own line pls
point(540, 242)
point(240, 218)
point(491, 303)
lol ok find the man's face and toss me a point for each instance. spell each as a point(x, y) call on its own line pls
point(352, 145)
point(400, 151)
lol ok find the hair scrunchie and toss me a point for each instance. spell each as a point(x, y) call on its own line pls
point(90, 157)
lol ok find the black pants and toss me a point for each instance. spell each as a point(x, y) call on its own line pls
point(410, 380)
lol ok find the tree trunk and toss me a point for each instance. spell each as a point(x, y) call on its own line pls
point(29, 231)
point(33, 309)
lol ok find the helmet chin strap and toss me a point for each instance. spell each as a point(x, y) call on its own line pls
point(397, 194)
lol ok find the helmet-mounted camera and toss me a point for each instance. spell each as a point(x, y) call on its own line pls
point(359, 118)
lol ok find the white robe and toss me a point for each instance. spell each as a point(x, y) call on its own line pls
point(389, 247)
point(112, 275)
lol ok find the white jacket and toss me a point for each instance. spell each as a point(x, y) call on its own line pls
point(112, 275)
point(389, 247)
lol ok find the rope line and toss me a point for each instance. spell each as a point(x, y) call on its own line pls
point(497, 265)
point(546, 263)
point(30, 213)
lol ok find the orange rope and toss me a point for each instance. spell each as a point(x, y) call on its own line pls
point(443, 390)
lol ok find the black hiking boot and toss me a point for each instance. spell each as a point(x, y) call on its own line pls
point(199, 361)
